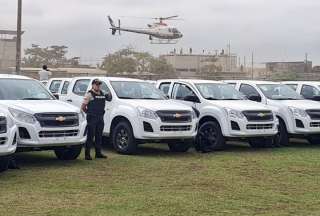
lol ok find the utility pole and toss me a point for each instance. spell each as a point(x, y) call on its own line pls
point(252, 66)
point(19, 33)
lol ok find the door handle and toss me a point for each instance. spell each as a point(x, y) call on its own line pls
point(69, 100)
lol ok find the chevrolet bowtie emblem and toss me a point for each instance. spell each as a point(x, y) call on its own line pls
point(60, 119)
point(177, 115)
point(261, 115)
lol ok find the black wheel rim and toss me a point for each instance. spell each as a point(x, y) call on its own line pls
point(208, 136)
point(122, 138)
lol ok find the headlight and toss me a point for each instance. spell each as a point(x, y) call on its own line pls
point(22, 116)
point(146, 113)
point(235, 113)
point(193, 114)
point(298, 112)
point(82, 116)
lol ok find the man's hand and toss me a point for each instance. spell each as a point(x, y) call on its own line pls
point(108, 97)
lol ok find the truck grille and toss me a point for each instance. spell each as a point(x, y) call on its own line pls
point(259, 126)
point(175, 116)
point(258, 115)
point(175, 128)
point(3, 140)
point(3, 125)
point(315, 124)
point(314, 114)
point(58, 119)
point(65, 133)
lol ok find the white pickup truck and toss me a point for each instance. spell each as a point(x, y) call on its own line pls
point(43, 122)
point(224, 113)
point(139, 113)
point(297, 117)
point(59, 87)
point(8, 138)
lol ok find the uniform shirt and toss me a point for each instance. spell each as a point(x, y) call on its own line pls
point(44, 75)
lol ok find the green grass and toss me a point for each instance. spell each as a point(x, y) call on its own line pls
point(237, 181)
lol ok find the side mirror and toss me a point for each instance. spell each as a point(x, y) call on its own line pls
point(56, 95)
point(256, 98)
point(192, 98)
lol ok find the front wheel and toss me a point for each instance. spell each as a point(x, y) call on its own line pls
point(4, 162)
point(68, 153)
point(210, 137)
point(123, 139)
point(179, 146)
point(282, 138)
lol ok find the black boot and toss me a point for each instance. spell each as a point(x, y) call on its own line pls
point(99, 155)
point(87, 155)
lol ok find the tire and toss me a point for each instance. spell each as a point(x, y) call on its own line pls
point(180, 146)
point(123, 139)
point(314, 140)
point(209, 137)
point(261, 142)
point(68, 153)
point(282, 138)
point(4, 162)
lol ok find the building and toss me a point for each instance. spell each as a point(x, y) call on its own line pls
point(191, 65)
point(297, 67)
point(7, 49)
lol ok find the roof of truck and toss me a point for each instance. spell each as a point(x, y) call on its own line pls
point(110, 78)
point(302, 82)
point(190, 81)
point(257, 82)
point(11, 76)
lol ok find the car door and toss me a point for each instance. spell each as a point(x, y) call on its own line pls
point(180, 91)
point(64, 90)
point(109, 107)
point(250, 92)
point(54, 86)
point(77, 91)
point(309, 92)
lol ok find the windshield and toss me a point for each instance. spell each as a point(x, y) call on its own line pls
point(218, 91)
point(16, 89)
point(137, 90)
point(279, 92)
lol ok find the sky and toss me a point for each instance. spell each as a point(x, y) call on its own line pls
point(274, 30)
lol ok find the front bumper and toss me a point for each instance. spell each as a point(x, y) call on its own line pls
point(55, 137)
point(165, 131)
point(251, 128)
point(10, 145)
point(309, 126)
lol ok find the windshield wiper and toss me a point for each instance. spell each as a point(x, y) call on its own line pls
point(127, 98)
point(34, 99)
point(211, 98)
point(146, 98)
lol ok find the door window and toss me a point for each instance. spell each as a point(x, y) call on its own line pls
point(55, 85)
point(293, 86)
point(309, 92)
point(80, 87)
point(165, 87)
point(248, 90)
point(65, 86)
point(181, 91)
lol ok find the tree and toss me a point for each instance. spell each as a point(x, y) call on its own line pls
point(53, 56)
point(128, 60)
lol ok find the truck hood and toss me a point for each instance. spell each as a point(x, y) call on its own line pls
point(156, 105)
point(301, 104)
point(240, 105)
point(33, 107)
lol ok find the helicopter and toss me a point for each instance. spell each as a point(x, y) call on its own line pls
point(158, 32)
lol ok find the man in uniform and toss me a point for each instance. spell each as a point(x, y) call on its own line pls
point(94, 106)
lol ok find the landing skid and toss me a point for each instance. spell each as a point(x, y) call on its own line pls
point(163, 41)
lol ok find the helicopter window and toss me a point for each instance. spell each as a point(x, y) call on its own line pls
point(174, 30)
point(169, 30)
